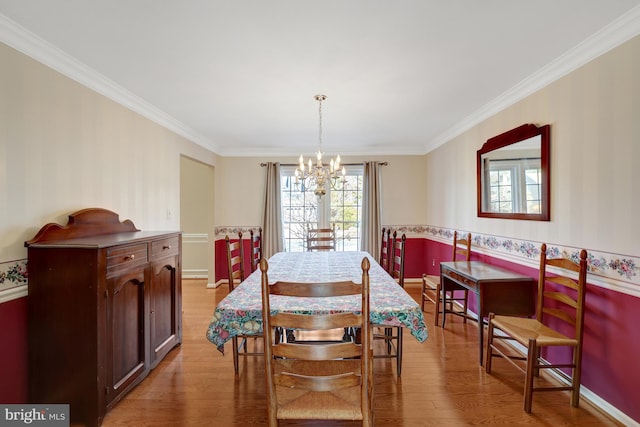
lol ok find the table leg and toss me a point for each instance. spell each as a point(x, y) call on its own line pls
point(444, 300)
point(481, 329)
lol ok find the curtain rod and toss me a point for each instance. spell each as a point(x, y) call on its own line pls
point(341, 164)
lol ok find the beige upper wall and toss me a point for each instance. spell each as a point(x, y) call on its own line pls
point(64, 147)
point(240, 189)
point(594, 114)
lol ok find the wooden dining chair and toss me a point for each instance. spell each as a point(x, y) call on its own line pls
point(235, 261)
point(319, 381)
point(432, 290)
point(256, 248)
point(384, 249)
point(392, 336)
point(559, 322)
point(321, 239)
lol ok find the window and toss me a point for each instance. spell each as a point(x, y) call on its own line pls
point(340, 207)
point(515, 186)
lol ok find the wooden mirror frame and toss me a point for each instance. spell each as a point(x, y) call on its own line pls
point(514, 136)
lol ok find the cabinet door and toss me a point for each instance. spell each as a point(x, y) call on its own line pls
point(126, 351)
point(164, 305)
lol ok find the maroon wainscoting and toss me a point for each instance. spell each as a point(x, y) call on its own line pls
point(414, 261)
point(13, 357)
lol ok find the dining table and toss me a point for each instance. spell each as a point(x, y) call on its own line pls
point(240, 312)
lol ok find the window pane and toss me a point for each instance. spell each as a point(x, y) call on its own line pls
point(341, 208)
point(533, 179)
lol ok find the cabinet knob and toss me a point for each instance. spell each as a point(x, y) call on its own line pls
point(165, 247)
point(130, 257)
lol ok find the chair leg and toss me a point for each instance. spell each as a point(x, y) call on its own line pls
point(424, 290)
point(464, 308)
point(576, 377)
point(234, 344)
point(536, 367)
point(389, 334)
point(528, 383)
point(488, 354)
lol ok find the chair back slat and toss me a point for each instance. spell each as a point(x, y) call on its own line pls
point(326, 322)
point(313, 290)
point(562, 298)
point(564, 263)
point(317, 352)
point(322, 384)
point(567, 282)
point(560, 314)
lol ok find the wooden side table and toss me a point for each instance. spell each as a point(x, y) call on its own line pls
point(499, 290)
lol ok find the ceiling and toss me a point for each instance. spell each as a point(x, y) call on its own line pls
point(239, 77)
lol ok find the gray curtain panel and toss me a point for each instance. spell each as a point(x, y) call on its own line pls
point(371, 222)
point(272, 214)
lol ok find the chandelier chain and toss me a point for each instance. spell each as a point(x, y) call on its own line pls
point(320, 124)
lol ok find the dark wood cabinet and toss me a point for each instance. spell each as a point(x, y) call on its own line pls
point(104, 308)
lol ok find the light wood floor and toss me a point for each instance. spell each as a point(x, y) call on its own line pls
point(441, 383)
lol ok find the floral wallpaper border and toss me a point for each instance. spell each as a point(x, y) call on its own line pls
point(13, 274)
point(232, 231)
point(624, 270)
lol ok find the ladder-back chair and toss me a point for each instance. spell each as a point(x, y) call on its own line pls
point(320, 381)
point(392, 336)
point(321, 239)
point(235, 260)
point(431, 283)
point(385, 250)
point(256, 248)
point(559, 322)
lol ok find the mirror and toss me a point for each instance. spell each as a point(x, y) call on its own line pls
point(513, 174)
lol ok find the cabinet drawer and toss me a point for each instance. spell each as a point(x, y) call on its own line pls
point(125, 257)
point(461, 279)
point(165, 247)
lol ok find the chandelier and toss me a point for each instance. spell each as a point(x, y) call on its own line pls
point(319, 175)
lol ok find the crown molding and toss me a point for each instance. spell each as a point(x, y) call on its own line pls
point(386, 150)
point(26, 42)
point(613, 35)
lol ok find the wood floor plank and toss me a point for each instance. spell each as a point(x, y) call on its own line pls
point(441, 383)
